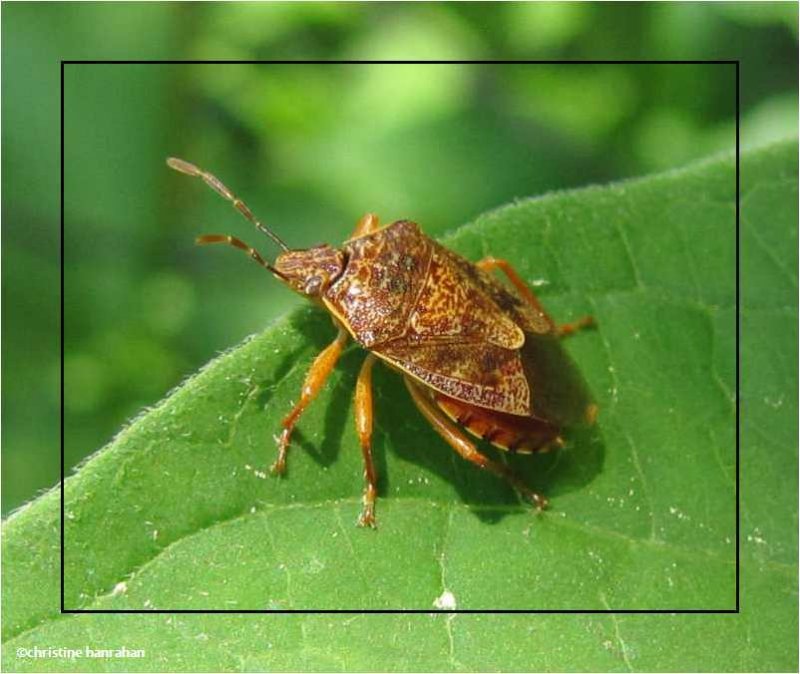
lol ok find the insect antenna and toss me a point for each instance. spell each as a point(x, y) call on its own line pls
point(216, 184)
point(241, 245)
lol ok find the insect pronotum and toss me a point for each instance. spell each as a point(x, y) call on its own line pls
point(474, 353)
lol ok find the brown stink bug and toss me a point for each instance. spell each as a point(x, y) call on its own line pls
point(473, 352)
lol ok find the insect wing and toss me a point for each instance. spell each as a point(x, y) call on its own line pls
point(452, 304)
point(478, 373)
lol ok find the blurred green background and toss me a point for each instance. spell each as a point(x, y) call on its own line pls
point(310, 148)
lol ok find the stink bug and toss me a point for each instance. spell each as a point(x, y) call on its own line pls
point(472, 351)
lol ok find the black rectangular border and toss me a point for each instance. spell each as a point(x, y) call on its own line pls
point(735, 63)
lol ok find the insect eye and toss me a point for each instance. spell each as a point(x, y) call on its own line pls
point(313, 285)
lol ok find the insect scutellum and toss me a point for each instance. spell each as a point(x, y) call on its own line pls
point(308, 272)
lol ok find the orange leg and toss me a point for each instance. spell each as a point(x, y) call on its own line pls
point(490, 263)
point(568, 329)
point(363, 407)
point(442, 424)
point(367, 224)
point(315, 379)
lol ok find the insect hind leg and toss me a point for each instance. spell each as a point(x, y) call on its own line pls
point(567, 329)
point(445, 427)
point(490, 263)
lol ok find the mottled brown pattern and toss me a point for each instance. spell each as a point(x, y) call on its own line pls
point(433, 314)
point(384, 274)
point(506, 298)
point(451, 304)
point(457, 370)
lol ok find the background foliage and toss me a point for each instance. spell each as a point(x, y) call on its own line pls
point(311, 148)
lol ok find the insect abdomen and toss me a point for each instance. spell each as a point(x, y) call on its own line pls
point(518, 434)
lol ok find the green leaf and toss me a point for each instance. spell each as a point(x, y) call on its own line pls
point(177, 511)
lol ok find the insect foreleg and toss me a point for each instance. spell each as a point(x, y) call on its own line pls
point(464, 447)
point(315, 379)
point(490, 263)
point(363, 409)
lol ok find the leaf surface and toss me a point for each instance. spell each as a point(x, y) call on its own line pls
point(178, 512)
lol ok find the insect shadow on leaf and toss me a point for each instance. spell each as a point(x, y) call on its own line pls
point(268, 388)
point(488, 498)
